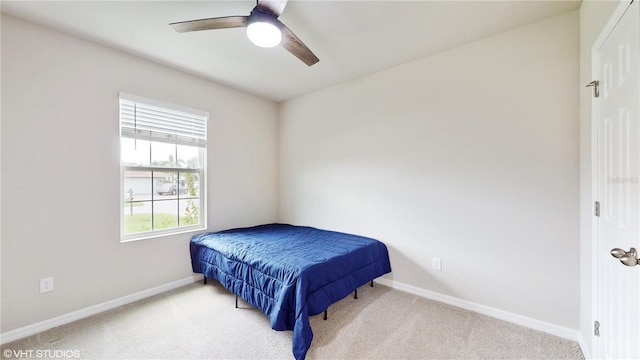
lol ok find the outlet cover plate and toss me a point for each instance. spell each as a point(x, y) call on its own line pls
point(436, 264)
point(46, 284)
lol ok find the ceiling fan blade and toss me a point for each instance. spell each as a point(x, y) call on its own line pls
point(210, 24)
point(295, 46)
point(273, 7)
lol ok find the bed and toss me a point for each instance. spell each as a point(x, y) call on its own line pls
point(289, 272)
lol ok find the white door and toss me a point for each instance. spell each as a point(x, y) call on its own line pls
point(617, 116)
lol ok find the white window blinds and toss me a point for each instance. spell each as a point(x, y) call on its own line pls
point(147, 119)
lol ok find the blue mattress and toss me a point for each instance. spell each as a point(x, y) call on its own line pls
point(289, 272)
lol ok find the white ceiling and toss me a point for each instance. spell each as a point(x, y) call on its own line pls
point(351, 38)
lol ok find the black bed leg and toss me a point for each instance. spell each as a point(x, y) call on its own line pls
point(371, 283)
point(355, 294)
point(325, 314)
point(236, 301)
point(205, 280)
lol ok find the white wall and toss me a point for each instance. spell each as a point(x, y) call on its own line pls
point(593, 16)
point(60, 167)
point(470, 155)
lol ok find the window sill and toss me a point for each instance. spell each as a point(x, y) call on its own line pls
point(155, 235)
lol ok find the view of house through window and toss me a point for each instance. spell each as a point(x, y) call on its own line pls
point(163, 168)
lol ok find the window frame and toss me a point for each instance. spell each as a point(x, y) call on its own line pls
point(151, 168)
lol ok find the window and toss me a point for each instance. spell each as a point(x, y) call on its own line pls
point(163, 167)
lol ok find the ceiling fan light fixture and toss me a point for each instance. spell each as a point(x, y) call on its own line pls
point(263, 29)
point(264, 34)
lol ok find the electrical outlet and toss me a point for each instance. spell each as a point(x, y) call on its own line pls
point(46, 284)
point(436, 264)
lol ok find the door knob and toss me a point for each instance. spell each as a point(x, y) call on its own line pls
point(629, 258)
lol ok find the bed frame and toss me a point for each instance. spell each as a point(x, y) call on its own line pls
point(355, 296)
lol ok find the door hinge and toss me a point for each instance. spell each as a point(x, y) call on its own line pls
point(596, 88)
point(596, 328)
point(596, 210)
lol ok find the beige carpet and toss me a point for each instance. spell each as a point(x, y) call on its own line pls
point(200, 322)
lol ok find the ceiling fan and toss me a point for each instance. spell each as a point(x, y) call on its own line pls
point(263, 28)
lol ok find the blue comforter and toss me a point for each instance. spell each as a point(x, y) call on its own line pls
point(289, 272)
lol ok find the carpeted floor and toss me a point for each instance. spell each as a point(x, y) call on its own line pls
point(200, 322)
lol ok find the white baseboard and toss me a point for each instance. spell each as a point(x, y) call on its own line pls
point(33, 329)
point(535, 324)
point(531, 323)
point(586, 350)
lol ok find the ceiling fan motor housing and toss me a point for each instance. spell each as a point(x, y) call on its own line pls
point(259, 15)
